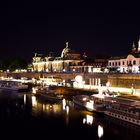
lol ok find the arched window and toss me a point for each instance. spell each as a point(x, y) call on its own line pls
point(134, 62)
point(119, 63)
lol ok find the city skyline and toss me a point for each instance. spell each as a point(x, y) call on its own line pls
point(99, 28)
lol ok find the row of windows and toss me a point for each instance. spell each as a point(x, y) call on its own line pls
point(123, 117)
point(123, 63)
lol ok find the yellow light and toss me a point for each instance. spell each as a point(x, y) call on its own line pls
point(34, 101)
point(100, 131)
point(64, 104)
point(44, 107)
point(67, 109)
point(89, 105)
point(2, 78)
point(89, 119)
point(108, 84)
point(84, 120)
point(84, 99)
point(34, 90)
point(24, 98)
point(11, 78)
point(79, 78)
point(89, 69)
point(100, 96)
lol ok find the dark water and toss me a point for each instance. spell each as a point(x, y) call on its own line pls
point(23, 116)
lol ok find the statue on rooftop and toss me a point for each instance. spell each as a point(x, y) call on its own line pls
point(65, 51)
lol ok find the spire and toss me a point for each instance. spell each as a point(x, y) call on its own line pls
point(139, 45)
point(133, 47)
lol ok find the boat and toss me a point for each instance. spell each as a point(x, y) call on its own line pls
point(124, 109)
point(89, 103)
point(13, 86)
point(49, 94)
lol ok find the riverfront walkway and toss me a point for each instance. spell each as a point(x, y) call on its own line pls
point(123, 92)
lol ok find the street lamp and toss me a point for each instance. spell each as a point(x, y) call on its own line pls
point(83, 83)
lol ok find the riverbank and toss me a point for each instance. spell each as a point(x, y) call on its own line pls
point(68, 92)
point(116, 90)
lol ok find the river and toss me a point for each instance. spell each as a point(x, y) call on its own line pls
point(25, 116)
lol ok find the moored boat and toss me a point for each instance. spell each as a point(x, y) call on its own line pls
point(13, 86)
point(124, 109)
point(49, 94)
point(89, 103)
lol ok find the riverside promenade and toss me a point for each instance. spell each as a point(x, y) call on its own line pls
point(119, 83)
point(116, 90)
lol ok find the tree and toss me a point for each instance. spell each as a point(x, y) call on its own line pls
point(13, 64)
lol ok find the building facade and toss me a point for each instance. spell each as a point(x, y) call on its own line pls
point(61, 63)
point(68, 61)
point(126, 64)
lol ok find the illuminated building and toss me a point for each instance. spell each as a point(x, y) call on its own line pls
point(126, 64)
point(51, 63)
point(68, 61)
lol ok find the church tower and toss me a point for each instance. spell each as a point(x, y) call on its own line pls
point(133, 48)
point(139, 45)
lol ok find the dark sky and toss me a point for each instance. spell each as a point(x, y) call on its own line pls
point(97, 28)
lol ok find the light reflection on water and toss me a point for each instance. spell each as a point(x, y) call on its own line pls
point(88, 120)
point(34, 101)
point(44, 115)
point(25, 99)
point(79, 117)
point(100, 131)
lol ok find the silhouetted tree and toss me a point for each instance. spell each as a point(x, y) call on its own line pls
point(13, 64)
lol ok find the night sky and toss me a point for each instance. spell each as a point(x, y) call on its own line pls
point(96, 28)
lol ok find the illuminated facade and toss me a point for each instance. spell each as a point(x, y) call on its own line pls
point(63, 63)
point(126, 64)
point(68, 61)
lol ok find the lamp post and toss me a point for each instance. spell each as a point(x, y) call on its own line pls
point(107, 87)
point(132, 89)
point(83, 83)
